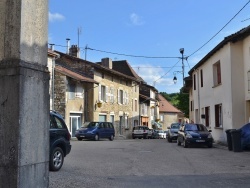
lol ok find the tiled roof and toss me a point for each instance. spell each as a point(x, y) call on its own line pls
point(165, 106)
point(68, 58)
point(240, 35)
point(74, 75)
point(124, 67)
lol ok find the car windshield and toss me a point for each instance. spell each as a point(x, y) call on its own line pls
point(92, 124)
point(160, 131)
point(175, 126)
point(195, 127)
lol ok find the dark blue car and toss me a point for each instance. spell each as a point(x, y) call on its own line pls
point(59, 141)
point(194, 134)
point(95, 131)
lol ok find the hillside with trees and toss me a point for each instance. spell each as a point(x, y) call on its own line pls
point(179, 100)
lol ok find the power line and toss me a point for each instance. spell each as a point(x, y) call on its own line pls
point(220, 29)
point(141, 56)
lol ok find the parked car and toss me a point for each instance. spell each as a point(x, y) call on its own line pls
point(141, 132)
point(59, 141)
point(173, 131)
point(194, 134)
point(155, 134)
point(162, 134)
point(96, 130)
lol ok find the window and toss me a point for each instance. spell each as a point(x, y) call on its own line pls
point(161, 118)
point(217, 73)
point(125, 98)
point(120, 96)
point(207, 116)
point(201, 74)
point(191, 106)
point(144, 110)
point(135, 105)
point(79, 90)
point(218, 115)
point(111, 95)
point(71, 90)
point(132, 105)
point(194, 82)
point(103, 95)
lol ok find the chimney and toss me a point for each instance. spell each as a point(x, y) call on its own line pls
point(74, 51)
point(68, 44)
point(107, 62)
point(52, 47)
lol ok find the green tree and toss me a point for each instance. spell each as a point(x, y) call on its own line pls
point(178, 100)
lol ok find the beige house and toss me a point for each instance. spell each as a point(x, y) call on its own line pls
point(219, 86)
point(149, 107)
point(96, 92)
point(67, 92)
point(168, 113)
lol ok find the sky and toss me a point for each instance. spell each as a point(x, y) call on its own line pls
point(147, 33)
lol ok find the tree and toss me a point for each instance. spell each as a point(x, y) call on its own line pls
point(178, 100)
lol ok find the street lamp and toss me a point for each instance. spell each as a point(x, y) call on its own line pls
point(182, 58)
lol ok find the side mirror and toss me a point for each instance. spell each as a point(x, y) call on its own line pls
point(210, 131)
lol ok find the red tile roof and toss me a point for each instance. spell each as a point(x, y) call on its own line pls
point(74, 75)
point(166, 106)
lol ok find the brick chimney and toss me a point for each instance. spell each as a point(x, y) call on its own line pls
point(107, 62)
point(74, 51)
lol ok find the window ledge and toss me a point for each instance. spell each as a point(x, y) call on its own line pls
point(216, 85)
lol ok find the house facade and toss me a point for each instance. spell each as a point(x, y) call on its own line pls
point(149, 107)
point(219, 86)
point(95, 92)
point(168, 113)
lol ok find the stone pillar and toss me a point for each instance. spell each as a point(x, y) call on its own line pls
point(24, 94)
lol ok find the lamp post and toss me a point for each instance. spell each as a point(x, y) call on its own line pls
point(182, 52)
point(182, 58)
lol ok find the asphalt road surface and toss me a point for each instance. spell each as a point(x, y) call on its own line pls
point(150, 163)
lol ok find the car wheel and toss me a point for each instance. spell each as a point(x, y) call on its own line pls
point(210, 145)
point(111, 138)
point(178, 142)
point(56, 159)
point(185, 145)
point(169, 139)
point(96, 137)
point(145, 137)
point(79, 138)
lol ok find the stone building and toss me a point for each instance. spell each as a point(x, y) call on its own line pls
point(100, 90)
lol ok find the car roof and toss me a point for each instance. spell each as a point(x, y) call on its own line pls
point(56, 114)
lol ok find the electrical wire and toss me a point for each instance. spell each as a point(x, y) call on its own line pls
point(141, 56)
point(220, 29)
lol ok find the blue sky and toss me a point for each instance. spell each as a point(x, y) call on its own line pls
point(147, 28)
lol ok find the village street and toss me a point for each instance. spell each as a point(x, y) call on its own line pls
point(150, 163)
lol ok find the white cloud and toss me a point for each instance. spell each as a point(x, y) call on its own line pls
point(55, 17)
point(158, 77)
point(136, 20)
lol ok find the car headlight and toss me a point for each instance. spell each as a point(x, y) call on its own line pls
point(188, 136)
point(209, 136)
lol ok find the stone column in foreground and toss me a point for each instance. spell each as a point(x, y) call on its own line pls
point(24, 94)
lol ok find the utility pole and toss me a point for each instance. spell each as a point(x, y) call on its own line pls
point(182, 52)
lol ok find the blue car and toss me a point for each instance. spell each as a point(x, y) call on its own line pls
point(194, 134)
point(95, 131)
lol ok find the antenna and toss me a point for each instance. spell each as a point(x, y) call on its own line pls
point(79, 31)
